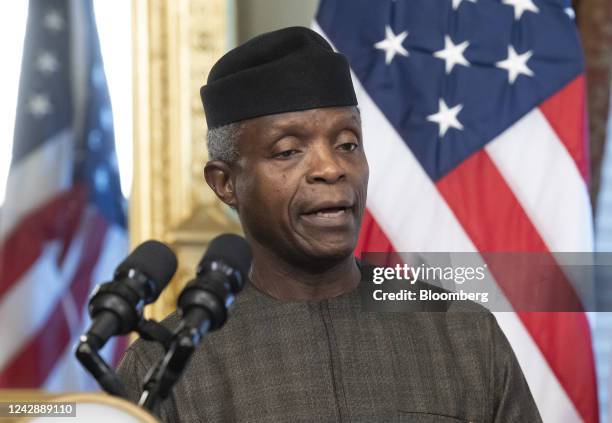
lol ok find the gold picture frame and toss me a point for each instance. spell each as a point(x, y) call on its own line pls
point(175, 45)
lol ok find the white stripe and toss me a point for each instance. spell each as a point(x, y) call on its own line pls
point(25, 308)
point(410, 210)
point(546, 181)
point(68, 375)
point(72, 314)
point(552, 400)
point(115, 249)
point(37, 178)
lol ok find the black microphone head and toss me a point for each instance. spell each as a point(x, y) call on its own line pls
point(231, 249)
point(153, 258)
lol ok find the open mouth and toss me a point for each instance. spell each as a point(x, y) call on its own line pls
point(330, 212)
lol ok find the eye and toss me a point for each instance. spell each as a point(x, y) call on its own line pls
point(286, 154)
point(348, 146)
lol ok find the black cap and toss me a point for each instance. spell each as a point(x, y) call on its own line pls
point(287, 70)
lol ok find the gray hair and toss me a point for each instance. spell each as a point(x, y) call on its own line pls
point(223, 141)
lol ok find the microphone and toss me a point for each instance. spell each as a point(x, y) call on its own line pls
point(220, 275)
point(203, 305)
point(116, 307)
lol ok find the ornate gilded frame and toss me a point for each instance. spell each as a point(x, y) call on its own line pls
point(175, 44)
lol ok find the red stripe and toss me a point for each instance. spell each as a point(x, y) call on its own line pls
point(31, 366)
point(57, 219)
point(566, 113)
point(495, 221)
point(372, 238)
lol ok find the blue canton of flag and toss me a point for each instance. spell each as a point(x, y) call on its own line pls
point(452, 75)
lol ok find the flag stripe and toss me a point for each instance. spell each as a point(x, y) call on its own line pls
point(29, 368)
point(498, 208)
point(35, 180)
point(40, 288)
point(68, 374)
point(543, 180)
point(570, 356)
point(372, 237)
point(478, 179)
point(566, 112)
point(58, 219)
point(543, 383)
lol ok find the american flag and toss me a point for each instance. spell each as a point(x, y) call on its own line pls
point(475, 130)
point(63, 226)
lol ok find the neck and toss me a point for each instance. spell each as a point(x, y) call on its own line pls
point(283, 281)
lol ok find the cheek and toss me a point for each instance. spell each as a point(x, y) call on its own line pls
point(262, 196)
point(362, 175)
point(365, 173)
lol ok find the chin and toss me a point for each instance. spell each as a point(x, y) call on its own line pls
point(331, 252)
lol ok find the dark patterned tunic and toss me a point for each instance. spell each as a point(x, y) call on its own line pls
point(330, 361)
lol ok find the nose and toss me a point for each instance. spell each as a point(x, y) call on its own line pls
point(324, 166)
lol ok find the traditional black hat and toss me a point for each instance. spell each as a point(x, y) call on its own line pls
point(287, 70)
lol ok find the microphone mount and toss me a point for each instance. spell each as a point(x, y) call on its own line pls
point(204, 304)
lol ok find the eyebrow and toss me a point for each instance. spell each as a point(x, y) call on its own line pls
point(277, 129)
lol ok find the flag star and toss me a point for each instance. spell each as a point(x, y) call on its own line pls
point(521, 6)
point(569, 11)
point(112, 162)
point(101, 178)
point(94, 139)
point(106, 118)
point(446, 118)
point(516, 64)
point(97, 75)
point(39, 105)
point(452, 54)
point(392, 44)
point(47, 63)
point(457, 3)
point(54, 21)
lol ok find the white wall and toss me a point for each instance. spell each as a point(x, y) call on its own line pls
point(257, 16)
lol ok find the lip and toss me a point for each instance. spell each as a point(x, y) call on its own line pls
point(325, 205)
point(329, 214)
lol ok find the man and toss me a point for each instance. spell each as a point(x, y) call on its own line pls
point(287, 154)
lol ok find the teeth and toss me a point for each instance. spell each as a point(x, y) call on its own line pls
point(328, 213)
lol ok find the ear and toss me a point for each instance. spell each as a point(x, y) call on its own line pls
point(218, 176)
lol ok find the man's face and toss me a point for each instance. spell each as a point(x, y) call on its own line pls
point(301, 183)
